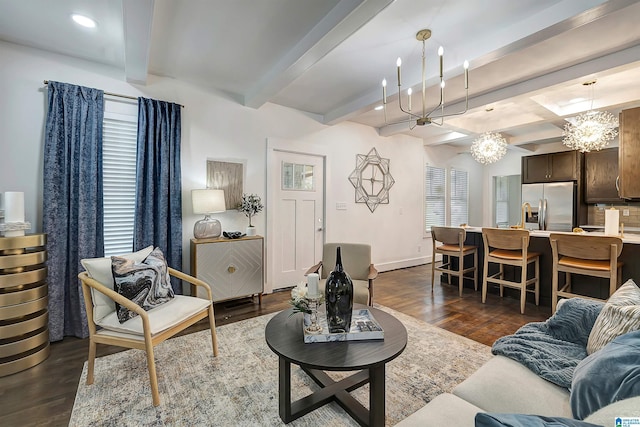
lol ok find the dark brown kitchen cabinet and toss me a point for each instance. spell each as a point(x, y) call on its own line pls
point(562, 166)
point(600, 174)
point(629, 154)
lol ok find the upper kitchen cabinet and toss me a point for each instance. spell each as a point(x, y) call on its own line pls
point(629, 154)
point(600, 174)
point(562, 166)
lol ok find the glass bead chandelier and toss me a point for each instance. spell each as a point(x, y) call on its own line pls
point(591, 130)
point(489, 148)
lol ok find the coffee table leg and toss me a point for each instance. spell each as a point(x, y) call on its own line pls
point(284, 389)
point(376, 396)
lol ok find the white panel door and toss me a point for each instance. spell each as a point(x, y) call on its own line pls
point(298, 216)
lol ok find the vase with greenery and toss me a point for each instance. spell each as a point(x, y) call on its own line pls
point(250, 205)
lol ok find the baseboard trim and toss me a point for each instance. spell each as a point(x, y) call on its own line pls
point(395, 265)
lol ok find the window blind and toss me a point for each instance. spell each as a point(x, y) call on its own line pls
point(501, 191)
point(435, 195)
point(459, 196)
point(119, 180)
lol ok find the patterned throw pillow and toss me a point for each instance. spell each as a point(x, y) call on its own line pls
point(146, 284)
point(621, 314)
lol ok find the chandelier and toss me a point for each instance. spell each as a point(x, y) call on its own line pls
point(426, 117)
point(489, 148)
point(592, 130)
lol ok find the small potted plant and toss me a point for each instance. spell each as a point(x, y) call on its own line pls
point(250, 205)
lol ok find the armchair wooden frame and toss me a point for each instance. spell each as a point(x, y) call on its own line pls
point(510, 247)
point(595, 256)
point(452, 239)
point(148, 341)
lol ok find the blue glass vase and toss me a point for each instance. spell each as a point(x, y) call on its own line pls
point(339, 298)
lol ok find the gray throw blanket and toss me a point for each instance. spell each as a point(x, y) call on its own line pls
point(552, 349)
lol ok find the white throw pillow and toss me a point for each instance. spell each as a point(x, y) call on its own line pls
point(620, 314)
point(100, 269)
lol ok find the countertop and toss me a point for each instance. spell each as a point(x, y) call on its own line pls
point(626, 238)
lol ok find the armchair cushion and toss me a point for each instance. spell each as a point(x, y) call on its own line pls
point(100, 270)
point(147, 284)
point(161, 318)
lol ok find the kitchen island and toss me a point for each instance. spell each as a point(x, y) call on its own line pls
point(539, 242)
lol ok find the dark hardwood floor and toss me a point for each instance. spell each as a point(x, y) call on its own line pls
point(44, 394)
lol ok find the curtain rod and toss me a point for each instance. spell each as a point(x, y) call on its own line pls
point(46, 82)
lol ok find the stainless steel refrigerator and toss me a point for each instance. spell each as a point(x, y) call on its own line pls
point(553, 206)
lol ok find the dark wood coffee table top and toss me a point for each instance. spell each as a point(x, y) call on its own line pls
point(284, 336)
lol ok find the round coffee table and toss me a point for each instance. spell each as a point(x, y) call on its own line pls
point(284, 336)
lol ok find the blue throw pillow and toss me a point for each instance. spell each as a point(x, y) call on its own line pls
point(520, 420)
point(606, 376)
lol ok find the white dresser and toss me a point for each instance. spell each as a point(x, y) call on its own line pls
point(233, 268)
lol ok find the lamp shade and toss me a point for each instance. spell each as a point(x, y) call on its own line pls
point(207, 201)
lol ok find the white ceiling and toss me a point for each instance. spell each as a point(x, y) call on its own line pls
point(528, 58)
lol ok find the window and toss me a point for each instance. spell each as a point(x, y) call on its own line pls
point(119, 180)
point(446, 201)
point(297, 177)
point(501, 191)
point(459, 197)
point(435, 196)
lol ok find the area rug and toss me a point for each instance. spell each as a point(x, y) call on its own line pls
point(240, 386)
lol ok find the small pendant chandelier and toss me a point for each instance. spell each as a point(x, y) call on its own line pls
point(591, 130)
point(427, 117)
point(489, 148)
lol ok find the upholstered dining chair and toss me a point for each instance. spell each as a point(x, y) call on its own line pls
point(356, 260)
point(148, 328)
point(452, 245)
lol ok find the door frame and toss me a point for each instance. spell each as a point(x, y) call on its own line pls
point(273, 178)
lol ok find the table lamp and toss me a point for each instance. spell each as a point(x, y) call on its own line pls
point(207, 202)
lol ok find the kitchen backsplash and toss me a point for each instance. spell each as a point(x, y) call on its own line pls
point(595, 214)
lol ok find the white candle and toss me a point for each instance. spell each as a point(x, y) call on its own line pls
point(312, 282)
point(13, 206)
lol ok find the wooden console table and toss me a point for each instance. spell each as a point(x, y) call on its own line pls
point(233, 268)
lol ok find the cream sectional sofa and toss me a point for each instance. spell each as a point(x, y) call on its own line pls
point(503, 385)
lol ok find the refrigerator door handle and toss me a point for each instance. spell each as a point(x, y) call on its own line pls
point(540, 215)
point(544, 217)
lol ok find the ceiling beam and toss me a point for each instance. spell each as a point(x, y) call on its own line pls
point(137, 16)
point(338, 25)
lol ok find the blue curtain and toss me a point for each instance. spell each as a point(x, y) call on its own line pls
point(158, 217)
point(72, 200)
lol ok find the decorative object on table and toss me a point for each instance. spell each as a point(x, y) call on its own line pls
point(250, 205)
point(427, 117)
point(339, 298)
point(371, 179)
point(206, 202)
point(233, 234)
point(489, 148)
point(13, 213)
point(363, 327)
point(313, 301)
point(591, 130)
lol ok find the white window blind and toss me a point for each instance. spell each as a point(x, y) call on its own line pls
point(459, 197)
point(435, 194)
point(501, 191)
point(119, 180)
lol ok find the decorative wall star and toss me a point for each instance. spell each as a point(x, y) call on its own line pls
point(371, 179)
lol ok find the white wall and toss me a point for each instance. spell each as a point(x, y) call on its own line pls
point(216, 127)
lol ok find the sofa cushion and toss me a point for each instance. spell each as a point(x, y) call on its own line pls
point(444, 410)
point(147, 284)
point(607, 376)
point(100, 270)
point(161, 318)
point(503, 385)
point(522, 420)
point(621, 314)
point(606, 416)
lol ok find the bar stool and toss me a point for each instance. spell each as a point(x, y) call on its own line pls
point(510, 247)
point(595, 256)
point(452, 239)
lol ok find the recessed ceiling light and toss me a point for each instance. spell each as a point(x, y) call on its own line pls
point(378, 108)
point(85, 21)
